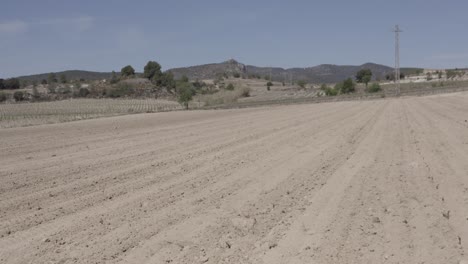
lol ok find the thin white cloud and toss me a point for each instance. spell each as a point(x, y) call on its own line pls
point(79, 24)
point(11, 27)
point(132, 39)
point(450, 56)
point(84, 23)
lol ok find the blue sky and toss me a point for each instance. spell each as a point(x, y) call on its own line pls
point(47, 36)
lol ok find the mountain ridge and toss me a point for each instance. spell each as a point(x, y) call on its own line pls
point(323, 73)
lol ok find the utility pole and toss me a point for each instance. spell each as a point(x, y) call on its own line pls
point(397, 58)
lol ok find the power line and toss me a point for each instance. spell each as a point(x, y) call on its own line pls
point(397, 58)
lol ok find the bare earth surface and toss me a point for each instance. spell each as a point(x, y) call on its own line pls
point(351, 182)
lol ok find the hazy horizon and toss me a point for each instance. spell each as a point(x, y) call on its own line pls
point(51, 36)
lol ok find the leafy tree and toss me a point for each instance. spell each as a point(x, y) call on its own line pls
point(167, 80)
point(43, 81)
point(2, 84)
point(127, 71)
point(152, 70)
point(375, 87)
point(364, 76)
point(236, 75)
point(63, 78)
point(185, 94)
point(269, 85)
point(302, 83)
point(18, 96)
point(230, 87)
point(51, 78)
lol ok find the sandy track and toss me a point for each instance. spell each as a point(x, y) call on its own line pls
point(350, 182)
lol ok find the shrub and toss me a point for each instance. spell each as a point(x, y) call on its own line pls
point(323, 87)
point(236, 75)
point(64, 90)
point(83, 92)
point(453, 73)
point(348, 86)
point(18, 96)
point(3, 97)
point(269, 84)
point(224, 96)
point(429, 76)
point(230, 87)
point(12, 83)
point(302, 83)
point(51, 87)
point(373, 88)
point(35, 93)
point(122, 89)
point(184, 79)
point(245, 91)
point(167, 80)
point(331, 92)
point(51, 78)
point(219, 79)
point(338, 87)
point(63, 78)
point(114, 78)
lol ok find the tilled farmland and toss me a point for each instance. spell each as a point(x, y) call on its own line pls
point(382, 181)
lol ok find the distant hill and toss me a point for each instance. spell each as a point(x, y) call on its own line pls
point(71, 75)
point(325, 73)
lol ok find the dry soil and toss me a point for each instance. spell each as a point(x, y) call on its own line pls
point(381, 181)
